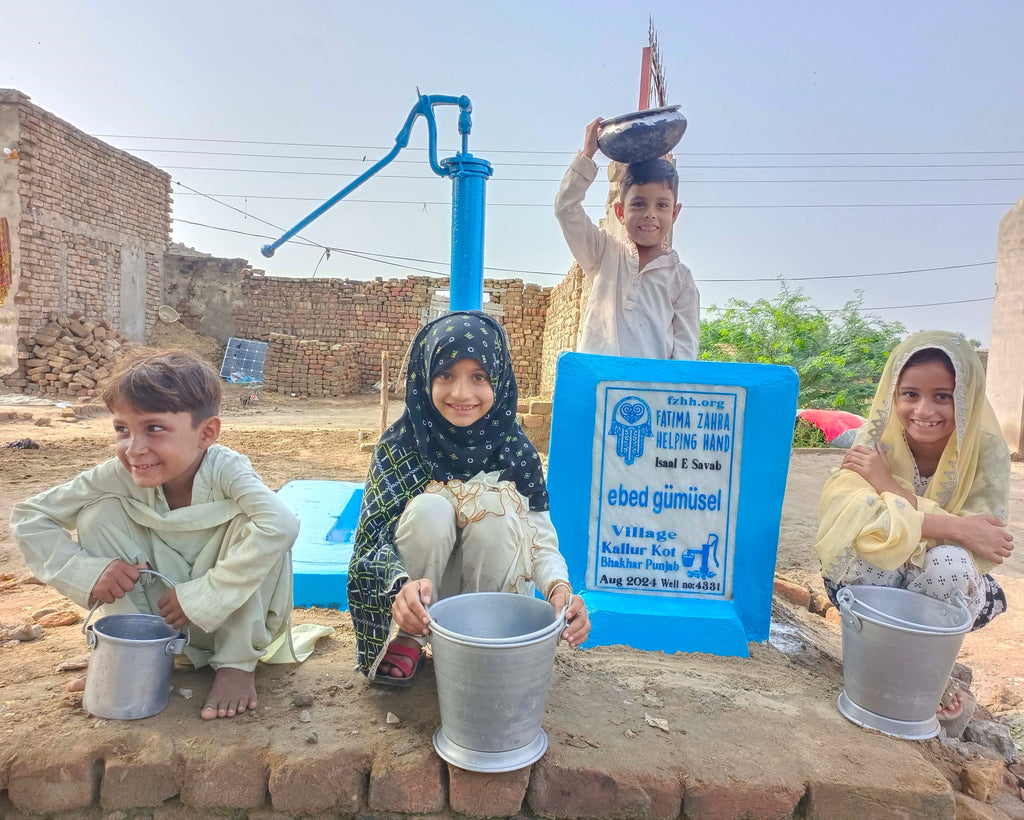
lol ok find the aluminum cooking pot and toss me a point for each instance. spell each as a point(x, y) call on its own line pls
point(131, 662)
point(641, 135)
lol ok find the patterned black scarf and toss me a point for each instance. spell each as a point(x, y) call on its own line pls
point(421, 447)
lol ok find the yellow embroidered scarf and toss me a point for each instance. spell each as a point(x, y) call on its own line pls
point(973, 475)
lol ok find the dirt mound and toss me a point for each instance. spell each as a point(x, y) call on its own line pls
point(174, 335)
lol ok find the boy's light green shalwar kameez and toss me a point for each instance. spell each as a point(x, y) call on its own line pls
point(229, 552)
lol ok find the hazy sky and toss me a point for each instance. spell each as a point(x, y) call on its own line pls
point(837, 146)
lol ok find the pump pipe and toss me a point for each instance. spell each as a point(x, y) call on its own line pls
point(469, 175)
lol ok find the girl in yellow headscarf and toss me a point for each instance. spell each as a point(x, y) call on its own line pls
point(920, 501)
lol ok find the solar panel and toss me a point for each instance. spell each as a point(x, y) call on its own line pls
point(243, 360)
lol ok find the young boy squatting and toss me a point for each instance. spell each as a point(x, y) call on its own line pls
point(177, 502)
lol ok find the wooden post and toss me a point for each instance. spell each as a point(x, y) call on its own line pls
point(384, 393)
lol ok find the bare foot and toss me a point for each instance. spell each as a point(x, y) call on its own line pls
point(953, 710)
point(77, 685)
point(234, 691)
point(951, 704)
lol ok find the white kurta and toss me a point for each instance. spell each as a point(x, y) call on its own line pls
point(228, 551)
point(652, 313)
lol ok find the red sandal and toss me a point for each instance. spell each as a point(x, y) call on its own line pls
point(406, 659)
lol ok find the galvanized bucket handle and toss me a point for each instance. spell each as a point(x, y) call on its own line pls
point(565, 611)
point(846, 601)
point(170, 649)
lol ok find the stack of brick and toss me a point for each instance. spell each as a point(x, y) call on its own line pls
point(534, 415)
point(377, 315)
point(70, 356)
point(311, 367)
point(524, 313)
point(566, 304)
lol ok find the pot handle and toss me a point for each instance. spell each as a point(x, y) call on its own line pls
point(961, 601)
point(845, 598)
point(564, 612)
point(172, 646)
point(846, 605)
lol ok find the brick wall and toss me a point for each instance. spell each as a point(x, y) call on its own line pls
point(370, 317)
point(524, 313)
point(378, 315)
point(93, 224)
point(566, 303)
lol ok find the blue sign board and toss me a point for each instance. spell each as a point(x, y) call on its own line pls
point(666, 481)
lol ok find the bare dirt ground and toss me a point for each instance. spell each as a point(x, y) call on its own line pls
point(293, 438)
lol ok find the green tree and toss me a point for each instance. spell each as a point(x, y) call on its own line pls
point(839, 356)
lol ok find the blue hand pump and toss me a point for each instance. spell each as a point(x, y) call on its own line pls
point(469, 177)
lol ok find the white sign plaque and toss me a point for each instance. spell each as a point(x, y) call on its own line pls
point(665, 486)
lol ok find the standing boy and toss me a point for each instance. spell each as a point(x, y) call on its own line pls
point(644, 302)
point(177, 502)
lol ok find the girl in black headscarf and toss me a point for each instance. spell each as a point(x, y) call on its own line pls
point(455, 500)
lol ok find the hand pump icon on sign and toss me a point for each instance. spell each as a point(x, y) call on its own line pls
point(708, 549)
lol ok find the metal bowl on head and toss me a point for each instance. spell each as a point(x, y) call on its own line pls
point(642, 135)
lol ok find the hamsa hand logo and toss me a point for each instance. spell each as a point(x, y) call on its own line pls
point(631, 424)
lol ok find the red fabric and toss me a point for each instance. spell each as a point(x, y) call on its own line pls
point(831, 422)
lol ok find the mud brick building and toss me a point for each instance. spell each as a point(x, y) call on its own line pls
point(1006, 353)
point(87, 225)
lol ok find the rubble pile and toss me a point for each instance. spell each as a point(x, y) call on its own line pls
point(70, 356)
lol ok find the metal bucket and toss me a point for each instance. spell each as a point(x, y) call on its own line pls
point(130, 666)
point(899, 648)
point(494, 653)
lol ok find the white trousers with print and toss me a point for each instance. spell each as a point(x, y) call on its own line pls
point(947, 569)
point(481, 557)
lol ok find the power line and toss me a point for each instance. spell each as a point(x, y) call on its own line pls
point(309, 244)
point(230, 230)
point(244, 213)
point(703, 309)
point(690, 206)
point(433, 177)
point(687, 205)
point(539, 151)
point(382, 258)
point(886, 307)
point(384, 148)
point(849, 275)
point(927, 304)
point(553, 165)
point(563, 165)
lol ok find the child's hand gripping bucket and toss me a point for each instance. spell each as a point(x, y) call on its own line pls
point(899, 648)
point(494, 653)
point(130, 666)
